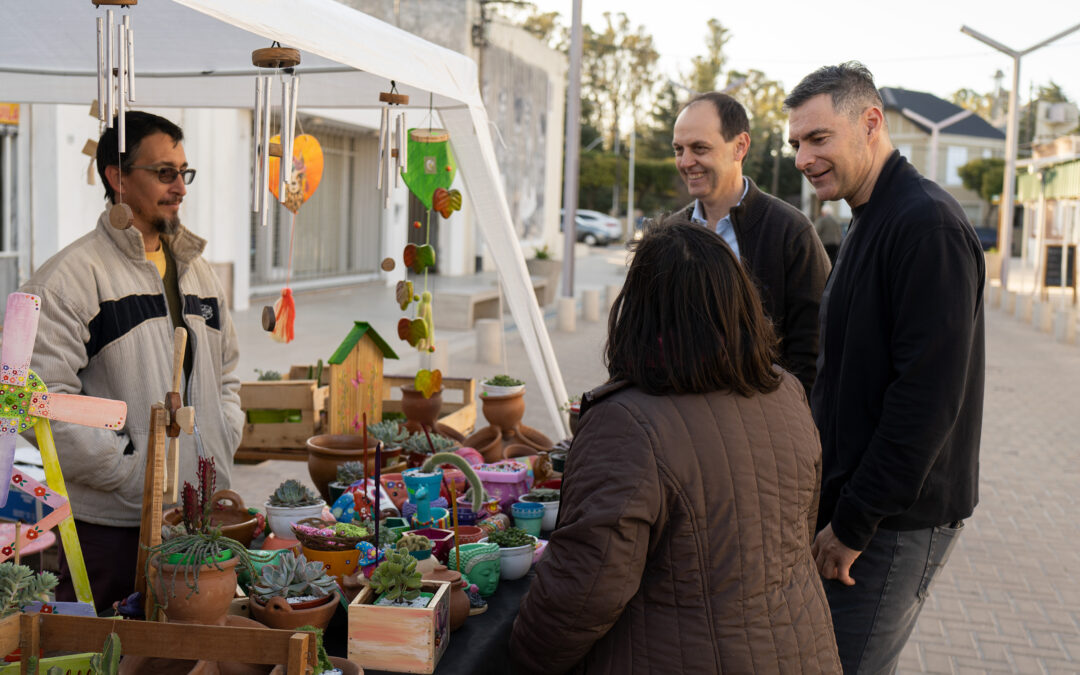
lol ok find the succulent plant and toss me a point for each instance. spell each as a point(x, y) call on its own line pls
point(20, 585)
point(293, 576)
point(510, 537)
point(389, 432)
point(293, 493)
point(414, 542)
point(418, 442)
point(503, 381)
point(396, 577)
point(544, 495)
point(268, 375)
point(350, 472)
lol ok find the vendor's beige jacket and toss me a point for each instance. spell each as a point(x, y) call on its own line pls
point(105, 331)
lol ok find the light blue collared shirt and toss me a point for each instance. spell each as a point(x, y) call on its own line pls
point(724, 228)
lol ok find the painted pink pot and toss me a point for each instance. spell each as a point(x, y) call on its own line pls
point(441, 541)
point(505, 481)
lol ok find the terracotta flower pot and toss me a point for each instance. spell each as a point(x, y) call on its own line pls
point(329, 451)
point(208, 605)
point(470, 534)
point(277, 612)
point(343, 664)
point(419, 411)
point(504, 412)
point(533, 438)
point(488, 442)
point(229, 513)
point(518, 450)
point(459, 599)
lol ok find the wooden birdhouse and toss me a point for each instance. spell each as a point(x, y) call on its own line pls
point(356, 380)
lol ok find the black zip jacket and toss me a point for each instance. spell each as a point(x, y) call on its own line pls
point(785, 258)
point(899, 395)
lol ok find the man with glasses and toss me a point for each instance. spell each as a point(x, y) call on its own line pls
point(110, 302)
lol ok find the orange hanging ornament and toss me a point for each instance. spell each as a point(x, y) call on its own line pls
point(284, 316)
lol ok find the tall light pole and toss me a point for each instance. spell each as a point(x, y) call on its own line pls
point(573, 148)
point(1005, 221)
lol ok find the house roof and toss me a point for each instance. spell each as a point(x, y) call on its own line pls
point(359, 330)
point(936, 109)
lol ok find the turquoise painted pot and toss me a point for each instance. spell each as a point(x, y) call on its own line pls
point(259, 558)
point(414, 479)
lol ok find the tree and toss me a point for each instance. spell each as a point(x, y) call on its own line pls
point(656, 137)
point(1050, 93)
point(705, 70)
point(985, 177)
point(969, 99)
point(765, 164)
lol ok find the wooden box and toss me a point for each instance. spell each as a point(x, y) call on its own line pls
point(268, 433)
point(399, 639)
point(459, 400)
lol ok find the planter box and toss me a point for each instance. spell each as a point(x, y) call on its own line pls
point(459, 400)
point(400, 639)
point(279, 418)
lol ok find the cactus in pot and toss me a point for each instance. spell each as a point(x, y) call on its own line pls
point(291, 502)
point(397, 580)
point(294, 592)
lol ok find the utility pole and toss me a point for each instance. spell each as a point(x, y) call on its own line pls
point(573, 148)
point(1005, 223)
point(630, 189)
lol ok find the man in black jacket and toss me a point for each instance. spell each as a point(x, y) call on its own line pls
point(898, 399)
point(776, 243)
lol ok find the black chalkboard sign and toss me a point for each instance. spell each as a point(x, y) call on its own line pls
point(1053, 266)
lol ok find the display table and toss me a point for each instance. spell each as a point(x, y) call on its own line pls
point(481, 646)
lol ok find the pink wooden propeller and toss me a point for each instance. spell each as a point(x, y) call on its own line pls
point(23, 396)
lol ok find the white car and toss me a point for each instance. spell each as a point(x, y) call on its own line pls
point(612, 226)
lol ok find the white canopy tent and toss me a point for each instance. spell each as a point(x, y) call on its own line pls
point(197, 53)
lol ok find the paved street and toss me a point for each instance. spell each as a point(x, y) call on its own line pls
point(1009, 599)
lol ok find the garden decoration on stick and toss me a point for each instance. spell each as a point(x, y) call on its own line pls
point(290, 167)
point(24, 403)
point(115, 88)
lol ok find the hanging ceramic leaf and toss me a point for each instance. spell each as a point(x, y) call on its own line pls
point(412, 331)
point(404, 294)
point(418, 258)
point(446, 201)
point(431, 163)
point(427, 382)
point(307, 159)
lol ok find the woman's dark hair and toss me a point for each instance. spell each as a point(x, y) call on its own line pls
point(689, 320)
point(138, 125)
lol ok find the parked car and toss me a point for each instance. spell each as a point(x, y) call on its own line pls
point(594, 228)
point(988, 237)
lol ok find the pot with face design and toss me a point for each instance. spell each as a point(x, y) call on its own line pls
point(480, 563)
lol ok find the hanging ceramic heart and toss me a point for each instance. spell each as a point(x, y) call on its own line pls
point(418, 258)
point(412, 331)
point(404, 294)
point(428, 382)
point(446, 201)
point(307, 162)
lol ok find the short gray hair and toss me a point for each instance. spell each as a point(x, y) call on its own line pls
point(850, 85)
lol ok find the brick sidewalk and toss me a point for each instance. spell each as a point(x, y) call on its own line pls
point(1009, 598)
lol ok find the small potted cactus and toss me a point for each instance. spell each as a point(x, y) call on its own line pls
point(416, 545)
point(293, 592)
point(390, 432)
point(347, 474)
point(397, 581)
point(549, 497)
point(501, 385)
point(290, 503)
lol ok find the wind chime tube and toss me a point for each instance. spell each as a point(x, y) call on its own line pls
point(403, 148)
point(101, 69)
point(400, 149)
point(284, 137)
point(130, 46)
point(109, 102)
point(386, 167)
point(121, 87)
point(256, 139)
point(264, 171)
point(384, 121)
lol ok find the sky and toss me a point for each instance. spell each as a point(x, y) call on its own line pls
point(913, 45)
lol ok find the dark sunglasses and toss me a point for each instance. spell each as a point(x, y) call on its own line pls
point(167, 174)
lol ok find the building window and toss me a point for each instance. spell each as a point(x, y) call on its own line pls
point(957, 157)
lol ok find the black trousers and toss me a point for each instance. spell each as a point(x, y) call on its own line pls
point(110, 554)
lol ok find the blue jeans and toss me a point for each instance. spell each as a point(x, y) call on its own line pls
point(874, 618)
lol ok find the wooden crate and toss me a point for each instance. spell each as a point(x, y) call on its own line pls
point(459, 400)
point(281, 440)
point(400, 639)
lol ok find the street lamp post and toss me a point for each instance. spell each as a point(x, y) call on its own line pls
point(573, 147)
point(1005, 221)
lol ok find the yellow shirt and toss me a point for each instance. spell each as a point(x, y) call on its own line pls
point(158, 258)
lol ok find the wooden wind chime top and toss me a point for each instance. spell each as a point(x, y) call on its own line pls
point(276, 57)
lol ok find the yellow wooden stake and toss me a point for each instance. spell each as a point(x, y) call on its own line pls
point(68, 536)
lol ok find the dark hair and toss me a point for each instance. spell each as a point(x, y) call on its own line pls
point(138, 125)
point(732, 114)
point(689, 320)
point(850, 85)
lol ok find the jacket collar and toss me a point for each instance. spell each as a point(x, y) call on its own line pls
point(185, 245)
point(895, 169)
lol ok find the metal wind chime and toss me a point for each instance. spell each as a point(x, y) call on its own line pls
point(116, 85)
point(282, 60)
point(391, 134)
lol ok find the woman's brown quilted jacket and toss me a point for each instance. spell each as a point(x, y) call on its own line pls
point(683, 543)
